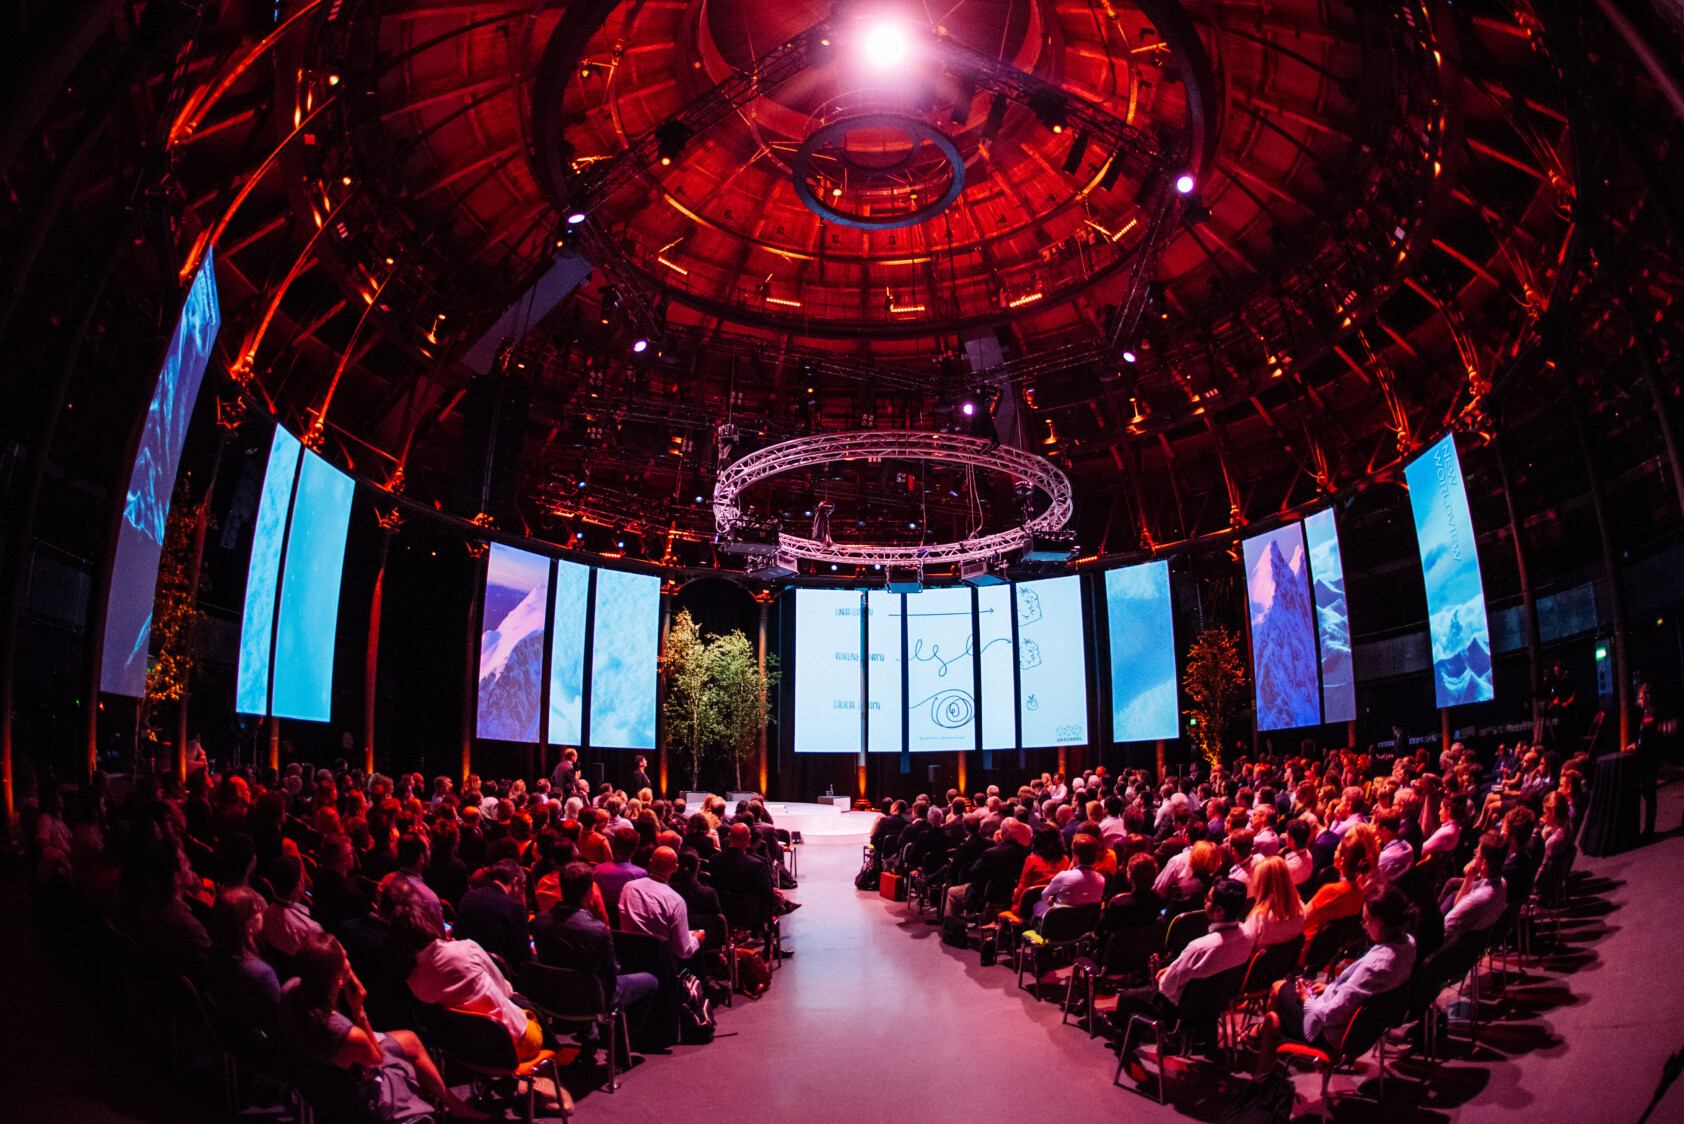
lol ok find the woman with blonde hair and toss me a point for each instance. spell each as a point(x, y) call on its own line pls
point(1278, 915)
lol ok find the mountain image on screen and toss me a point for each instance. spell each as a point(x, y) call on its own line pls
point(1462, 661)
point(510, 666)
point(1283, 641)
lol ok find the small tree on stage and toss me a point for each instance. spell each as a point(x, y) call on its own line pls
point(1216, 682)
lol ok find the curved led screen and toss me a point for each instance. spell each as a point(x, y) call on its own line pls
point(146, 510)
point(511, 644)
point(1444, 533)
point(1144, 703)
point(625, 648)
point(1285, 674)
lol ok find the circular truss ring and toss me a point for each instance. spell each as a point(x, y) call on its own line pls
point(915, 445)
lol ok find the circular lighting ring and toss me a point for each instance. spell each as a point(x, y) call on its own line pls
point(914, 127)
point(947, 448)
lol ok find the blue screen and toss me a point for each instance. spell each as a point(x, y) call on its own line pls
point(625, 650)
point(884, 713)
point(140, 539)
point(309, 619)
point(940, 687)
point(511, 644)
point(1333, 621)
point(994, 650)
point(827, 671)
point(1450, 564)
point(567, 654)
point(1052, 667)
point(263, 574)
point(1285, 675)
point(1144, 702)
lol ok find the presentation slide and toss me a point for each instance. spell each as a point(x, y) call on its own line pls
point(624, 653)
point(263, 575)
point(1144, 703)
point(1284, 670)
point(883, 688)
point(1052, 668)
point(308, 623)
point(827, 670)
point(567, 654)
point(1333, 620)
point(994, 649)
point(940, 686)
point(1450, 564)
point(511, 644)
point(140, 539)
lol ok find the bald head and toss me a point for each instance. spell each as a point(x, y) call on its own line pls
point(663, 863)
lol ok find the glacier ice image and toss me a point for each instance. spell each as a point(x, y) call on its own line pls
point(1283, 631)
point(511, 649)
point(1456, 618)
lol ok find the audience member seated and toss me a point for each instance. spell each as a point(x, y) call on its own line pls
point(493, 915)
point(1317, 1014)
point(567, 936)
point(649, 905)
point(322, 1017)
point(1278, 915)
point(1222, 948)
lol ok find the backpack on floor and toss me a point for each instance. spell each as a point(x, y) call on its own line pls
point(1266, 1101)
point(696, 1023)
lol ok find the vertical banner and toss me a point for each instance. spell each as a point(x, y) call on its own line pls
point(1333, 621)
point(1145, 704)
point(994, 652)
point(567, 654)
point(307, 625)
point(940, 679)
point(1456, 617)
point(625, 652)
point(140, 539)
point(1285, 672)
point(263, 574)
point(827, 671)
point(511, 645)
point(1051, 643)
point(885, 670)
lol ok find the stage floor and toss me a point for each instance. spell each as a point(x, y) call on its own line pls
point(819, 824)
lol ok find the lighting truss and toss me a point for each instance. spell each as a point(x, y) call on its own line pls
point(948, 448)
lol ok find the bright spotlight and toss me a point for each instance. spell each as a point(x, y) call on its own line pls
point(1129, 357)
point(575, 218)
point(640, 346)
point(1184, 183)
point(886, 45)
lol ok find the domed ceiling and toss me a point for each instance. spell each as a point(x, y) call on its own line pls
point(992, 216)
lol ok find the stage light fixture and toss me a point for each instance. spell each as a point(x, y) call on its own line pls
point(1185, 183)
point(885, 45)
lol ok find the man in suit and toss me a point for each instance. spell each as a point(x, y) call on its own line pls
point(995, 874)
point(494, 914)
point(567, 936)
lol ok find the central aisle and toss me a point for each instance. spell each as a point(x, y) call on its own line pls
point(874, 1015)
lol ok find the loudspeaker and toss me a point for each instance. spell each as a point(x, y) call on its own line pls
point(494, 413)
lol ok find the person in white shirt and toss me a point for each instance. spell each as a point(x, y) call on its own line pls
point(649, 905)
point(1278, 915)
point(1221, 949)
point(1081, 884)
point(1318, 1014)
point(1476, 900)
point(287, 923)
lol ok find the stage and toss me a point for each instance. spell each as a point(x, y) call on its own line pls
point(819, 824)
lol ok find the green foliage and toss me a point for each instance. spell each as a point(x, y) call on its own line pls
point(715, 703)
point(1216, 681)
